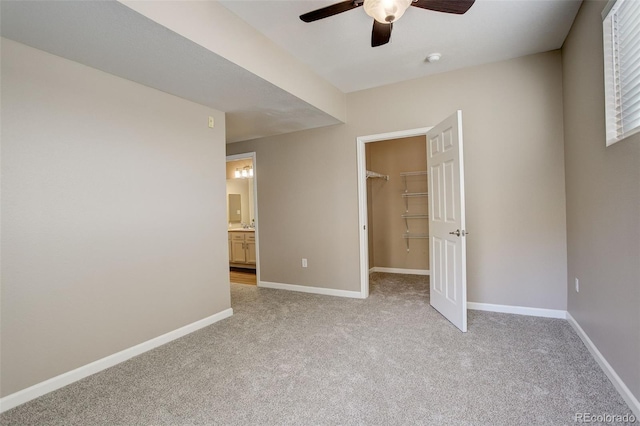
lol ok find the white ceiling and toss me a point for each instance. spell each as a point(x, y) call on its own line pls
point(112, 37)
point(338, 47)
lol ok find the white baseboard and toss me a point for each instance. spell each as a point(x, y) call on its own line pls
point(620, 386)
point(400, 271)
point(519, 310)
point(39, 389)
point(315, 290)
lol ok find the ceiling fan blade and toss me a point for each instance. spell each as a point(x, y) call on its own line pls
point(447, 6)
point(334, 9)
point(380, 34)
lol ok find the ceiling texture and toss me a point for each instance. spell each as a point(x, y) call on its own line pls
point(113, 37)
point(338, 48)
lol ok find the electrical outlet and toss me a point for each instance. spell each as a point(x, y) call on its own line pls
point(211, 122)
point(577, 285)
point(304, 263)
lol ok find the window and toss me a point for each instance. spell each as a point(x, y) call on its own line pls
point(621, 28)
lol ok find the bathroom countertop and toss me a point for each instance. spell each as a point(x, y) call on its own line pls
point(242, 230)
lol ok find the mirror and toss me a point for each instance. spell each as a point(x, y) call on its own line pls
point(235, 208)
point(242, 190)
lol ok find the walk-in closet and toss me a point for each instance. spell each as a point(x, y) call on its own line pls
point(397, 205)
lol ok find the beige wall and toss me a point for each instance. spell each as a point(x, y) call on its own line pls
point(514, 166)
point(603, 206)
point(113, 220)
point(392, 157)
point(305, 205)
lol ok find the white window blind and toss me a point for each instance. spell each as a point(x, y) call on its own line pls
point(622, 68)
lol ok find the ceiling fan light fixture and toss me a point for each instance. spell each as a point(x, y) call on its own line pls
point(386, 11)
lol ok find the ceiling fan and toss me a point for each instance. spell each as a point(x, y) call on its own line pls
point(386, 12)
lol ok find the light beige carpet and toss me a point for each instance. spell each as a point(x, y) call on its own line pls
point(303, 359)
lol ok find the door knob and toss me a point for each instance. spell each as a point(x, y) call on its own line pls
point(456, 233)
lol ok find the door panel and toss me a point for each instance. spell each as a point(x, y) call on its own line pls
point(447, 140)
point(449, 192)
point(434, 145)
point(450, 276)
point(435, 193)
point(238, 251)
point(436, 263)
point(447, 220)
point(251, 251)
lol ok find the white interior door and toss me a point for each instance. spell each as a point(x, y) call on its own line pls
point(447, 248)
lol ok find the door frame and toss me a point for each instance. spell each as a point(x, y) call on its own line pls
point(252, 156)
point(363, 214)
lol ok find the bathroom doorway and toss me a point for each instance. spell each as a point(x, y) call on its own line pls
point(242, 219)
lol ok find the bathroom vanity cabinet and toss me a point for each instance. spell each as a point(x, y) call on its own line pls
point(242, 248)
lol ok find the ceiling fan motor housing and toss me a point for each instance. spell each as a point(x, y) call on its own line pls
point(386, 11)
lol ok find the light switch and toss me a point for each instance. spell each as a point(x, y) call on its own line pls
point(211, 122)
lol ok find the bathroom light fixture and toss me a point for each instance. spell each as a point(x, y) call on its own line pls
point(386, 11)
point(246, 172)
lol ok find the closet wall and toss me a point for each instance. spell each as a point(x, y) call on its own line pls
point(387, 247)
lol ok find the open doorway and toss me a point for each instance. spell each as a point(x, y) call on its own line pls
point(242, 219)
point(398, 219)
point(397, 205)
point(446, 214)
point(366, 194)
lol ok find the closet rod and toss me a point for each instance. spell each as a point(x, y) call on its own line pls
point(371, 174)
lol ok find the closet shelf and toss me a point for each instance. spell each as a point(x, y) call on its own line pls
point(414, 216)
point(404, 176)
point(406, 196)
point(409, 235)
point(408, 216)
point(421, 173)
point(376, 175)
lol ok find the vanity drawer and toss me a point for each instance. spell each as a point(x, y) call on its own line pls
point(237, 236)
point(250, 236)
